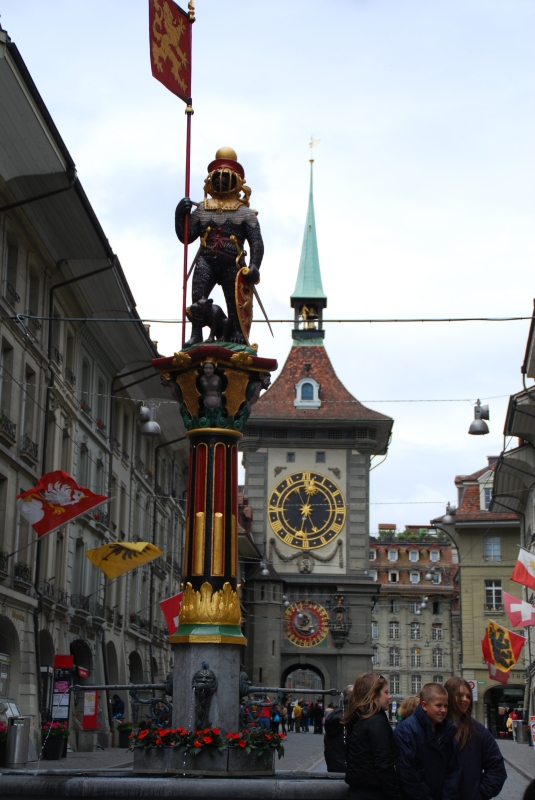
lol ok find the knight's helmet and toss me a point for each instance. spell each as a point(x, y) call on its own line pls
point(226, 178)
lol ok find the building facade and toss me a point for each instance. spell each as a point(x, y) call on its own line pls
point(70, 394)
point(415, 627)
point(307, 451)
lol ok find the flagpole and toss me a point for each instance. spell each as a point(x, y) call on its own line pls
point(189, 114)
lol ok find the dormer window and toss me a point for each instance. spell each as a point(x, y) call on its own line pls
point(307, 394)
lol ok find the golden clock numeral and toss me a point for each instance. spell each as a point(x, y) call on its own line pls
point(306, 476)
point(277, 525)
point(306, 544)
point(323, 540)
point(335, 494)
point(288, 538)
point(336, 527)
point(289, 481)
point(273, 509)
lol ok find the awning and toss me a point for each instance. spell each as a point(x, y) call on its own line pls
point(520, 419)
point(514, 477)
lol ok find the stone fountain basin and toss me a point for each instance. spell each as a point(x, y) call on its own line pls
point(234, 761)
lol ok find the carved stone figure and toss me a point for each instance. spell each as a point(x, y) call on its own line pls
point(211, 386)
point(224, 222)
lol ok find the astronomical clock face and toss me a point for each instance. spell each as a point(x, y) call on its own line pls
point(306, 510)
point(308, 624)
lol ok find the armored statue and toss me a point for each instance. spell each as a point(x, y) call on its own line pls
point(224, 222)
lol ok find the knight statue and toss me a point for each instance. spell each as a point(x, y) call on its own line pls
point(224, 222)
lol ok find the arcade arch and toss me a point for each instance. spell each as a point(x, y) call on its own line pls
point(9, 659)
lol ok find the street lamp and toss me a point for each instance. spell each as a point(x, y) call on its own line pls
point(478, 427)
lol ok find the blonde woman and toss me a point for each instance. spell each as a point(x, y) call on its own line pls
point(370, 759)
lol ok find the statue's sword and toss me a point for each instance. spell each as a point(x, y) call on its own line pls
point(262, 309)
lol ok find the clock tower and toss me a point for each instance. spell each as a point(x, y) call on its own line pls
point(307, 450)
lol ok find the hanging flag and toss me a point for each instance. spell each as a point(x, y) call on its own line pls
point(519, 612)
point(56, 500)
point(524, 571)
point(116, 558)
point(497, 674)
point(170, 46)
point(501, 647)
point(171, 611)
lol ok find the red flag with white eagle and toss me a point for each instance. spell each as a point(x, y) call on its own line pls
point(56, 500)
point(171, 611)
point(519, 612)
point(524, 571)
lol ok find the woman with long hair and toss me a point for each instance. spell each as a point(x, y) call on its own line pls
point(483, 771)
point(370, 759)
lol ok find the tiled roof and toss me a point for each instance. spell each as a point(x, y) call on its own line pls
point(470, 508)
point(336, 402)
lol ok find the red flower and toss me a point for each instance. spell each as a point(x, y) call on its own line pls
point(283, 736)
point(197, 744)
point(207, 739)
point(217, 731)
point(206, 730)
point(268, 737)
point(158, 740)
point(243, 744)
point(230, 736)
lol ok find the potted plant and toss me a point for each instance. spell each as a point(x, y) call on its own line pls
point(55, 735)
point(3, 740)
point(125, 729)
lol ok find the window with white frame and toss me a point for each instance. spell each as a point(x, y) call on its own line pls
point(437, 577)
point(375, 607)
point(416, 684)
point(434, 555)
point(375, 630)
point(393, 577)
point(415, 577)
point(491, 548)
point(493, 595)
point(392, 555)
point(394, 606)
point(438, 679)
point(373, 554)
point(436, 632)
point(394, 684)
point(486, 497)
point(393, 630)
point(307, 394)
point(416, 630)
point(415, 607)
point(416, 657)
point(438, 658)
point(373, 574)
point(394, 657)
point(375, 657)
point(414, 556)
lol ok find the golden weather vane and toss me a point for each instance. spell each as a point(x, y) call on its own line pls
point(313, 142)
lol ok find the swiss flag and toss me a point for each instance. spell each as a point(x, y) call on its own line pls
point(56, 499)
point(524, 571)
point(519, 612)
point(171, 611)
point(497, 674)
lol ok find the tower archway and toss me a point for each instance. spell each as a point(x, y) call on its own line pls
point(304, 678)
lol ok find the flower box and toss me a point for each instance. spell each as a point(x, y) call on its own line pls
point(172, 760)
point(241, 763)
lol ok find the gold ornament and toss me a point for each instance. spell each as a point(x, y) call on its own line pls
point(187, 382)
point(210, 608)
point(227, 152)
point(235, 393)
point(181, 360)
point(241, 359)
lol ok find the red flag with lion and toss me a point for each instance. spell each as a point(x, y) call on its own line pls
point(170, 46)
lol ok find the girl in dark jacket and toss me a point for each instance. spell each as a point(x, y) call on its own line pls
point(370, 762)
point(483, 771)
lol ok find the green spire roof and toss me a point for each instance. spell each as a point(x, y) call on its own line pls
point(308, 284)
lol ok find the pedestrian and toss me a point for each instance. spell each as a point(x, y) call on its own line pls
point(265, 713)
point(408, 705)
point(297, 717)
point(305, 715)
point(284, 717)
point(509, 726)
point(317, 716)
point(426, 748)
point(482, 766)
point(529, 794)
point(334, 741)
point(291, 718)
point(275, 719)
point(117, 707)
point(328, 710)
point(371, 765)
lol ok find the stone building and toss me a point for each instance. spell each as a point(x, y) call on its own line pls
point(70, 394)
point(415, 617)
point(307, 450)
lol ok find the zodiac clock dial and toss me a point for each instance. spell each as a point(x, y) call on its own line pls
point(307, 624)
point(306, 510)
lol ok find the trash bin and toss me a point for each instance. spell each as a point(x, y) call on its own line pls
point(518, 730)
point(18, 737)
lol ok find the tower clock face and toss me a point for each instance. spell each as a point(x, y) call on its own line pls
point(307, 624)
point(306, 510)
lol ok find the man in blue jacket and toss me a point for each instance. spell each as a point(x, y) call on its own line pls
point(426, 749)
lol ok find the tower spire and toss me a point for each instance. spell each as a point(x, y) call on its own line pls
point(308, 299)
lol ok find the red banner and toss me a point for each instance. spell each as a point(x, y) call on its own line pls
point(56, 500)
point(170, 46)
point(171, 611)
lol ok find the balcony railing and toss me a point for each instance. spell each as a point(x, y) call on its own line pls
point(101, 425)
point(10, 294)
point(34, 325)
point(135, 619)
point(117, 444)
point(497, 607)
point(80, 601)
point(139, 464)
point(97, 609)
point(109, 615)
point(23, 573)
point(7, 427)
point(47, 589)
point(4, 561)
point(119, 620)
point(86, 408)
point(62, 598)
point(71, 377)
point(56, 355)
point(125, 456)
point(27, 446)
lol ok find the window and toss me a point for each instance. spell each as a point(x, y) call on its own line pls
point(375, 631)
point(415, 577)
point(491, 548)
point(415, 607)
point(416, 630)
point(493, 595)
point(437, 577)
point(10, 270)
point(416, 657)
point(393, 630)
point(438, 659)
point(86, 382)
point(307, 394)
point(375, 605)
point(434, 555)
point(33, 294)
point(437, 607)
point(394, 657)
point(307, 391)
point(373, 574)
point(416, 684)
point(394, 684)
point(83, 460)
point(393, 577)
point(373, 554)
point(28, 402)
point(394, 606)
point(290, 458)
point(487, 497)
point(414, 555)
point(392, 555)
point(6, 373)
point(438, 679)
point(320, 458)
point(436, 632)
point(101, 401)
point(375, 657)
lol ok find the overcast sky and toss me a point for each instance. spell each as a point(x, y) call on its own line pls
point(423, 187)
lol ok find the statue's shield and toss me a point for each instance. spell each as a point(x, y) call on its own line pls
point(244, 302)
